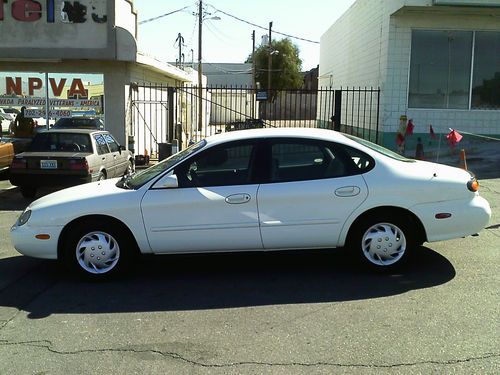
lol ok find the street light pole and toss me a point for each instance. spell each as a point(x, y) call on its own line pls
point(200, 89)
point(269, 62)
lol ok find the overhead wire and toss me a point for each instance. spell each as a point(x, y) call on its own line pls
point(262, 27)
point(163, 15)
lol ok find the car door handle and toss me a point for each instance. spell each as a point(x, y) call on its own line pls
point(347, 191)
point(238, 198)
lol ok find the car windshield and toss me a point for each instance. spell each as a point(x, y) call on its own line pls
point(379, 149)
point(138, 179)
point(60, 142)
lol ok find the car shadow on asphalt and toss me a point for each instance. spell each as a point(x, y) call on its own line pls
point(197, 282)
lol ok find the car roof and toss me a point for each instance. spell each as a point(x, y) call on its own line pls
point(80, 118)
point(73, 130)
point(313, 133)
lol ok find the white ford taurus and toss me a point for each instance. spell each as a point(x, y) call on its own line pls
point(257, 190)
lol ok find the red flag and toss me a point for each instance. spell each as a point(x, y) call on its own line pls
point(431, 131)
point(400, 139)
point(453, 137)
point(409, 127)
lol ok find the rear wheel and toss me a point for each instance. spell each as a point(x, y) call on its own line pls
point(102, 176)
point(28, 191)
point(130, 169)
point(382, 243)
point(97, 250)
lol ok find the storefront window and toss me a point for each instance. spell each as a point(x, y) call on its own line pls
point(486, 75)
point(440, 69)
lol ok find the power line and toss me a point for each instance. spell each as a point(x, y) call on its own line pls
point(262, 27)
point(163, 15)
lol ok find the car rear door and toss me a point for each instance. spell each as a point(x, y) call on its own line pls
point(104, 161)
point(313, 187)
point(213, 209)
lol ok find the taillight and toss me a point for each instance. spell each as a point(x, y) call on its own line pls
point(473, 185)
point(18, 163)
point(79, 164)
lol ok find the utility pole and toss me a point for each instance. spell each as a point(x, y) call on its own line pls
point(269, 62)
point(253, 75)
point(200, 89)
point(180, 40)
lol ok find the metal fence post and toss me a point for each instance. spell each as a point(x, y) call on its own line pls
point(170, 109)
point(337, 110)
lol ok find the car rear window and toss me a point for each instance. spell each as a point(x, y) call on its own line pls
point(88, 123)
point(60, 142)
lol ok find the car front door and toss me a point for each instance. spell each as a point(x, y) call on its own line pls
point(213, 209)
point(312, 189)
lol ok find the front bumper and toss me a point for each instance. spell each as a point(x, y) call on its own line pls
point(24, 240)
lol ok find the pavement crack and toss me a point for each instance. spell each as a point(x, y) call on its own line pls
point(46, 344)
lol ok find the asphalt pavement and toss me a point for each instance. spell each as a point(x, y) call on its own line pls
point(307, 312)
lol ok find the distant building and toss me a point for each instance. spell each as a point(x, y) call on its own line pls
point(228, 74)
point(311, 79)
point(435, 61)
point(85, 38)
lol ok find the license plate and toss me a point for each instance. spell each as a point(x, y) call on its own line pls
point(48, 164)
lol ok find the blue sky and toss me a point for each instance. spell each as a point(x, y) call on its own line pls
point(229, 40)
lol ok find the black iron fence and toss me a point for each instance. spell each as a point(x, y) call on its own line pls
point(163, 114)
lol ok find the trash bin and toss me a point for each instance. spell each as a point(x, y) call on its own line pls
point(164, 150)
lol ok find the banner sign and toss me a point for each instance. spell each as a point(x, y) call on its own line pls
point(52, 113)
point(54, 102)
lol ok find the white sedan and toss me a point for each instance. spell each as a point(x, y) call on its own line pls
point(257, 190)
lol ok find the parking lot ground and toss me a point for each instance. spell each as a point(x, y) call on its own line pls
point(307, 312)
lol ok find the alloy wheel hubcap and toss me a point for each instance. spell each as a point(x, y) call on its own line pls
point(383, 244)
point(97, 252)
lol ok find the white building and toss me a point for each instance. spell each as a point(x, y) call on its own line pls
point(71, 40)
point(435, 61)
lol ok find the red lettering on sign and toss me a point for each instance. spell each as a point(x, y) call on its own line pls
point(57, 88)
point(14, 88)
point(34, 84)
point(77, 88)
point(26, 10)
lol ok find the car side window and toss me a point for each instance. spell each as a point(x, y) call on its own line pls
point(113, 145)
point(218, 166)
point(299, 161)
point(102, 147)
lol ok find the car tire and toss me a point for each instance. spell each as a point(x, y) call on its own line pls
point(130, 169)
point(28, 191)
point(382, 243)
point(102, 176)
point(97, 251)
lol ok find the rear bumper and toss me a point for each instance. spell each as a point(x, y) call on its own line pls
point(39, 180)
point(467, 218)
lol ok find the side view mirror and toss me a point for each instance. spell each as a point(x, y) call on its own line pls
point(167, 182)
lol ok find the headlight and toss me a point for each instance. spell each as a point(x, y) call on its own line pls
point(23, 219)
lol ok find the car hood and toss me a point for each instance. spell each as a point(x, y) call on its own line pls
point(100, 190)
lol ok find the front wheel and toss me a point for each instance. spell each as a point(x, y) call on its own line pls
point(382, 244)
point(97, 251)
